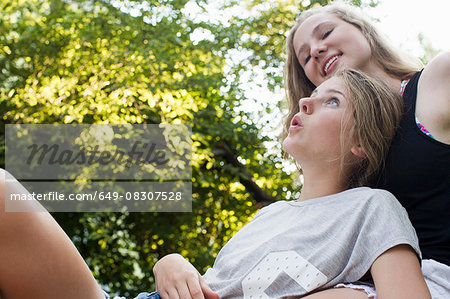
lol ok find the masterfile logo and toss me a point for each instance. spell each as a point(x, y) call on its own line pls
point(101, 167)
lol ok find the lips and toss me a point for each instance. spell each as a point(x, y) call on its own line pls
point(328, 63)
point(296, 123)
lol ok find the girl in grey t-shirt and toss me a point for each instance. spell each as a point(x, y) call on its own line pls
point(337, 231)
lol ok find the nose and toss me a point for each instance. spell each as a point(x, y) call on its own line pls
point(305, 105)
point(318, 50)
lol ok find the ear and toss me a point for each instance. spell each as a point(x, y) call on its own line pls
point(358, 151)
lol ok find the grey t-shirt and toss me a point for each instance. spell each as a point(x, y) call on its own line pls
point(291, 248)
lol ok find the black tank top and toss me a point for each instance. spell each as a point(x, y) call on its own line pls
point(417, 172)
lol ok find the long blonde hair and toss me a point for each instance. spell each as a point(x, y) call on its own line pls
point(297, 85)
point(376, 110)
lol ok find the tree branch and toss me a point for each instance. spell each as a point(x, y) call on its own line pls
point(261, 197)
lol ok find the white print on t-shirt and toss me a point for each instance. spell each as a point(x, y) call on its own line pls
point(273, 270)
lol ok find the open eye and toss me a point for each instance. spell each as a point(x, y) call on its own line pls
point(334, 102)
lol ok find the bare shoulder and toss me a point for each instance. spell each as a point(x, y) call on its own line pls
point(433, 97)
point(438, 68)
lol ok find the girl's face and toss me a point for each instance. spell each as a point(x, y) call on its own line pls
point(324, 43)
point(315, 131)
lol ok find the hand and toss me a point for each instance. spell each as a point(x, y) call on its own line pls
point(176, 278)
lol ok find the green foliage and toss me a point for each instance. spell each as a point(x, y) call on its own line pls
point(82, 62)
point(429, 50)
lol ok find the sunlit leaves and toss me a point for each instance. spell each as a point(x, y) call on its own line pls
point(134, 62)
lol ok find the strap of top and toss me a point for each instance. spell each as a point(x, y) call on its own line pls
point(403, 86)
point(410, 93)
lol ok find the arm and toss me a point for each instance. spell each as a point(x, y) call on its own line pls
point(177, 278)
point(433, 98)
point(397, 274)
point(37, 259)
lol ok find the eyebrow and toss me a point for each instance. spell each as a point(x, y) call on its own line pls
point(314, 32)
point(336, 91)
point(331, 90)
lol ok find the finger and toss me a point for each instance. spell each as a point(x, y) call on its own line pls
point(163, 295)
point(206, 290)
point(183, 291)
point(195, 289)
point(172, 294)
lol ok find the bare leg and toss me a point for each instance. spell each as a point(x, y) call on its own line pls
point(37, 259)
point(339, 293)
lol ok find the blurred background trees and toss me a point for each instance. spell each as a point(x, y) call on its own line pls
point(166, 61)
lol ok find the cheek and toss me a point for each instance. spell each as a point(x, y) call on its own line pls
point(333, 137)
point(331, 132)
point(359, 45)
point(313, 75)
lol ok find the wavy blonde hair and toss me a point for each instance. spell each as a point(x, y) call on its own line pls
point(376, 110)
point(395, 63)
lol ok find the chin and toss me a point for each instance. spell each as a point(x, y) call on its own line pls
point(289, 145)
point(286, 145)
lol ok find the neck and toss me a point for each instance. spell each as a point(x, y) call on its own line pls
point(378, 72)
point(394, 82)
point(321, 182)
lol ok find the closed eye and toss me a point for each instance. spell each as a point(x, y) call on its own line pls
point(307, 58)
point(327, 33)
